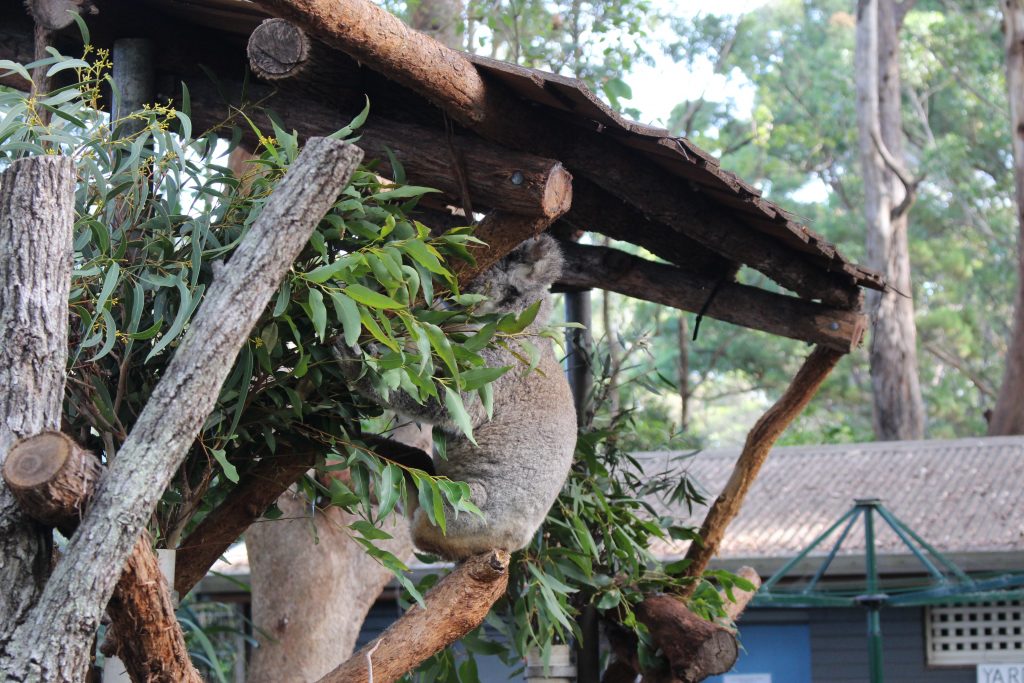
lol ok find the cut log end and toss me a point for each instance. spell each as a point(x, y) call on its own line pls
point(51, 477)
point(278, 49)
point(37, 459)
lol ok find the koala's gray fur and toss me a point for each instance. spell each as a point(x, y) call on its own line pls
point(523, 454)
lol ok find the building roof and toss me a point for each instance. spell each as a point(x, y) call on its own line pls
point(631, 182)
point(962, 496)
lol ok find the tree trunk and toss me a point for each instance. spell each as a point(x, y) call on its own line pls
point(1008, 415)
point(312, 586)
point(309, 626)
point(53, 644)
point(440, 19)
point(37, 198)
point(898, 408)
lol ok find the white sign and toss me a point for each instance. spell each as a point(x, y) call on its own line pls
point(1001, 673)
point(755, 678)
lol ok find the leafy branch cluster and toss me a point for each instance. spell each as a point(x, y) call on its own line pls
point(599, 547)
point(157, 215)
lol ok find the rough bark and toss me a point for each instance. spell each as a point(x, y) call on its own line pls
point(54, 643)
point(312, 586)
point(454, 607)
point(898, 407)
point(787, 316)
point(694, 648)
point(755, 451)
point(1008, 413)
point(36, 226)
point(54, 480)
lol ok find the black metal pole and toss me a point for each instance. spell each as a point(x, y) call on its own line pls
point(581, 380)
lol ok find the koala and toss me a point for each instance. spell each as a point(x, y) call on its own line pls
point(523, 453)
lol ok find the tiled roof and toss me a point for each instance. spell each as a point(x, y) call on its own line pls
point(962, 496)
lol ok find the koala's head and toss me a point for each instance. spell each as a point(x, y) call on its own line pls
point(522, 277)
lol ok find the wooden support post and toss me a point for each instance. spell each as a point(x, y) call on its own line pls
point(53, 643)
point(54, 480)
point(450, 80)
point(786, 316)
point(37, 203)
point(755, 451)
point(465, 168)
point(134, 78)
point(454, 607)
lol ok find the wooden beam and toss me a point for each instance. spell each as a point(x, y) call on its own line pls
point(461, 166)
point(594, 210)
point(787, 316)
point(453, 608)
point(54, 481)
point(755, 451)
point(449, 80)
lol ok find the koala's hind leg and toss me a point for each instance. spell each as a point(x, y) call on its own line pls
point(466, 534)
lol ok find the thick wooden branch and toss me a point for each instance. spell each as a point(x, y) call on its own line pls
point(694, 648)
point(454, 607)
point(734, 608)
point(37, 201)
point(594, 210)
point(54, 480)
point(755, 451)
point(787, 316)
point(457, 165)
point(257, 491)
point(449, 79)
point(83, 581)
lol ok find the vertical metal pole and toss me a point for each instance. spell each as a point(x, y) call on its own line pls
point(580, 348)
point(581, 381)
point(873, 602)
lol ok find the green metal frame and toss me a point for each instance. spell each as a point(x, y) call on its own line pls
point(949, 583)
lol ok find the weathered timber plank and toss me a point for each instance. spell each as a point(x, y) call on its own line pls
point(833, 328)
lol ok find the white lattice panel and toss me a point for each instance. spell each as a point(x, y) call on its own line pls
point(975, 634)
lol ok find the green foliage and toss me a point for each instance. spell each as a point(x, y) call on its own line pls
point(156, 218)
point(599, 546)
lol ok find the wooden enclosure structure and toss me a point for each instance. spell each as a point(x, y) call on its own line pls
point(529, 150)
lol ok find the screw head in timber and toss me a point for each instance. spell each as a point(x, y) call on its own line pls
point(518, 178)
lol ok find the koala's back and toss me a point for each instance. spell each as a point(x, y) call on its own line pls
point(518, 466)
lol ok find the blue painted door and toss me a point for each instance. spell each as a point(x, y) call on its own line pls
point(781, 653)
